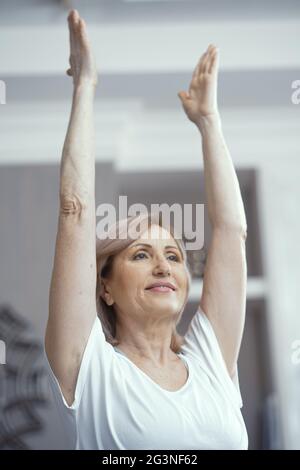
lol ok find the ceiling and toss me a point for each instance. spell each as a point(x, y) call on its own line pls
point(145, 53)
point(33, 12)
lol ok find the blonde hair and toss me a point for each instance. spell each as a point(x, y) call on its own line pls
point(118, 238)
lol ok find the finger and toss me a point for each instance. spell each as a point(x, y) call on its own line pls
point(71, 33)
point(82, 25)
point(73, 19)
point(210, 53)
point(74, 15)
point(202, 65)
point(207, 59)
point(210, 48)
point(71, 13)
point(83, 32)
point(198, 66)
point(75, 33)
point(183, 96)
point(214, 63)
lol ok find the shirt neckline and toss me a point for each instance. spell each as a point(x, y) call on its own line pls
point(164, 390)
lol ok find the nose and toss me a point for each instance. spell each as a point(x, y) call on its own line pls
point(162, 267)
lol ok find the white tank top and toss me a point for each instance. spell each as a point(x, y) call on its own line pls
point(118, 406)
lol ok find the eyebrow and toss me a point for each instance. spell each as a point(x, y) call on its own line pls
point(150, 246)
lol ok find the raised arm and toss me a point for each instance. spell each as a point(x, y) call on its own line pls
point(72, 303)
point(224, 285)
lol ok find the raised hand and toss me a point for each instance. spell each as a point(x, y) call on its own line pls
point(201, 99)
point(82, 64)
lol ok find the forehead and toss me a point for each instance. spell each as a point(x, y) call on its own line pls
point(156, 237)
point(156, 233)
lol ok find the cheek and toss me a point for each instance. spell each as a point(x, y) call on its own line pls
point(184, 282)
point(130, 277)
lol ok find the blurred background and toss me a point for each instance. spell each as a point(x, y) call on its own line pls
point(149, 151)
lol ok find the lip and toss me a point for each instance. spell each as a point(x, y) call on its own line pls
point(165, 284)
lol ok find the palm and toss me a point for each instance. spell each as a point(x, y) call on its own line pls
point(201, 99)
point(82, 64)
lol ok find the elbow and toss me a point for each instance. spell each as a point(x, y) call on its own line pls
point(242, 230)
point(72, 205)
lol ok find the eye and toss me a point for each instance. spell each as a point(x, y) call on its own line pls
point(138, 254)
point(174, 256)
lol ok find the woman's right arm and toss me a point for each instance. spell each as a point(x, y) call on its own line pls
point(72, 302)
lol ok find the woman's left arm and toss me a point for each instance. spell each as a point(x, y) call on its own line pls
point(225, 278)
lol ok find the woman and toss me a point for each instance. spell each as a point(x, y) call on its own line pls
point(122, 376)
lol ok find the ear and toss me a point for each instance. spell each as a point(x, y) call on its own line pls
point(105, 293)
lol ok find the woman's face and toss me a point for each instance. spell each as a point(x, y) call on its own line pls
point(148, 260)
